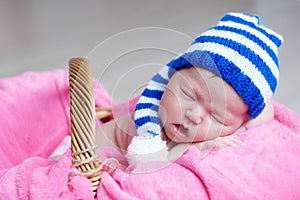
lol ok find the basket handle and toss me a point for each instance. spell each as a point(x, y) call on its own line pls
point(83, 122)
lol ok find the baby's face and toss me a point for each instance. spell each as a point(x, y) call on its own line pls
point(198, 105)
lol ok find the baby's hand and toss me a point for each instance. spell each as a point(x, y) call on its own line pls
point(177, 150)
point(230, 140)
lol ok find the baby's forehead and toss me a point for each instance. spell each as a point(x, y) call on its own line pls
point(199, 74)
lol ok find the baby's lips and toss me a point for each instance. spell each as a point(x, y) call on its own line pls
point(179, 130)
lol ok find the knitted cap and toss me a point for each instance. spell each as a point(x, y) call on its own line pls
point(238, 49)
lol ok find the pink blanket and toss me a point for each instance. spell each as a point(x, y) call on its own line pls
point(35, 117)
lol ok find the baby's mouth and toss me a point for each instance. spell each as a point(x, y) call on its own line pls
point(179, 130)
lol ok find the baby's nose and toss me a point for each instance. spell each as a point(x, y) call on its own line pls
point(194, 115)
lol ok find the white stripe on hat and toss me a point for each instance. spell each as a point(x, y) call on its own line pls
point(153, 85)
point(271, 32)
point(249, 44)
point(240, 61)
point(257, 33)
point(144, 112)
point(164, 72)
point(152, 100)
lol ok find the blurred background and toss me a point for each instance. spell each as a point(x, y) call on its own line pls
point(127, 41)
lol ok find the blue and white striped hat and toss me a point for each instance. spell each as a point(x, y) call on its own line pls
point(239, 49)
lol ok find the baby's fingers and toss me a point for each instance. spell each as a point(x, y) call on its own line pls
point(231, 140)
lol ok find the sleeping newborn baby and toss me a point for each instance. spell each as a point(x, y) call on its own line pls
point(221, 85)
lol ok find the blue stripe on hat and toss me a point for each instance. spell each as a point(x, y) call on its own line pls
point(179, 63)
point(199, 58)
point(247, 53)
point(171, 71)
point(273, 38)
point(157, 94)
point(153, 133)
point(150, 106)
point(251, 37)
point(243, 86)
point(159, 79)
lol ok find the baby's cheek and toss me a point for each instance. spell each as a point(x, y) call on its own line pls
point(169, 103)
point(162, 113)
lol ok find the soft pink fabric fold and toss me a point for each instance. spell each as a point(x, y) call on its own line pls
point(265, 165)
point(35, 118)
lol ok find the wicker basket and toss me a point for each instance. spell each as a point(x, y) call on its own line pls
point(83, 122)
